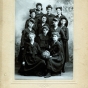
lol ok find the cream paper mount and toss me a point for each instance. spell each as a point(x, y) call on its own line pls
point(80, 78)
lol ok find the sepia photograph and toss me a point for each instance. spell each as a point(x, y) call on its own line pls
point(44, 39)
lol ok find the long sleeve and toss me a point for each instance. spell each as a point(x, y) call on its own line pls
point(67, 34)
point(59, 50)
point(26, 24)
point(56, 49)
point(22, 38)
point(62, 34)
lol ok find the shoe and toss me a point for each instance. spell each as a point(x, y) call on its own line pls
point(63, 70)
point(56, 74)
point(40, 74)
point(47, 75)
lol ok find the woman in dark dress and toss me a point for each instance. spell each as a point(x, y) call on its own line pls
point(63, 24)
point(32, 63)
point(56, 28)
point(55, 61)
point(43, 23)
point(32, 16)
point(39, 12)
point(24, 38)
point(59, 13)
point(49, 14)
point(43, 39)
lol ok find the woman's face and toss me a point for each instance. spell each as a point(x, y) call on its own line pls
point(39, 7)
point(55, 38)
point(44, 19)
point(31, 37)
point(33, 14)
point(55, 23)
point(49, 10)
point(59, 11)
point(45, 31)
point(63, 21)
point(30, 24)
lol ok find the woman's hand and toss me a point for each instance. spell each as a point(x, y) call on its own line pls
point(22, 48)
point(23, 63)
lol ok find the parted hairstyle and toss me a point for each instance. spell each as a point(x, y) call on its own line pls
point(40, 5)
point(66, 24)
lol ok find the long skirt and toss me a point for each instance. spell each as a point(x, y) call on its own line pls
point(66, 51)
point(33, 66)
point(55, 64)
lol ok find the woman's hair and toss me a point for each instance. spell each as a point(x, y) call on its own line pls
point(45, 27)
point(59, 8)
point(66, 24)
point(44, 15)
point(56, 33)
point(32, 10)
point(30, 20)
point(31, 33)
point(49, 6)
point(40, 5)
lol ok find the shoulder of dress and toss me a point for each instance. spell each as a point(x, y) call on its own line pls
point(53, 15)
point(40, 35)
point(28, 19)
point(64, 27)
point(42, 13)
point(59, 28)
point(36, 44)
point(56, 15)
point(58, 43)
point(24, 30)
point(46, 24)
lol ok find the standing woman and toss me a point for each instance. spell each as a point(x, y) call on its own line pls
point(59, 13)
point(24, 37)
point(39, 12)
point(63, 24)
point(56, 28)
point(43, 23)
point(49, 14)
point(32, 16)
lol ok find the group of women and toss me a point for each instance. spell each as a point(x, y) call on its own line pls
point(44, 43)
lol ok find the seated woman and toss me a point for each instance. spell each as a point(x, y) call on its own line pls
point(55, 61)
point(43, 39)
point(32, 63)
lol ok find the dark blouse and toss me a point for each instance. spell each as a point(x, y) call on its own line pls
point(55, 49)
point(39, 29)
point(50, 19)
point(43, 41)
point(66, 32)
point(39, 16)
point(32, 50)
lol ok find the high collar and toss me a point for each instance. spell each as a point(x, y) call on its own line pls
point(30, 29)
